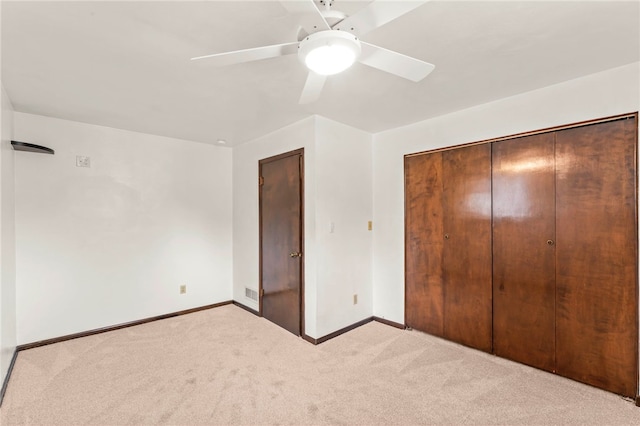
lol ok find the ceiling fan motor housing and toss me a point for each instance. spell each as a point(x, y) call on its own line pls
point(341, 48)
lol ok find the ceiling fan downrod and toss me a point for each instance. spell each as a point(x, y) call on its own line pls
point(333, 17)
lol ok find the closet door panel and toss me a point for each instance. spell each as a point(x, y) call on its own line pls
point(423, 243)
point(467, 245)
point(523, 250)
point(597, 319)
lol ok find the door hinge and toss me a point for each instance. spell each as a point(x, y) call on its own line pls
point(261, 292)
point(261, 181)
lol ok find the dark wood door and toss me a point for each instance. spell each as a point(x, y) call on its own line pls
point(524, 250)
point(597, 311)
point(466, 255)
point(424, 243)
point(281, 240)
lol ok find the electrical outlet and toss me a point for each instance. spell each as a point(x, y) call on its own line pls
point(83, 161)
point(355, 299)
point(183, 289)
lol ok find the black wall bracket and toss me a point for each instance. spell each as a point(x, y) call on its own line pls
point(30, 147)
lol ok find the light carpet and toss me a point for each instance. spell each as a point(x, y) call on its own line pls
point(227, 366)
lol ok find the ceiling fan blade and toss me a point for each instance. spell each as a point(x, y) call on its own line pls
point(375, 15)
point(308, 14)
point(395, 63)
point(312, 88)
point(254, 54)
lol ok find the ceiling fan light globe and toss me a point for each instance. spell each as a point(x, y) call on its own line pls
point(329, 52)
point(329, 60)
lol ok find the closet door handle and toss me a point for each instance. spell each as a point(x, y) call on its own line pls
point(446, 236)
point(550, 242)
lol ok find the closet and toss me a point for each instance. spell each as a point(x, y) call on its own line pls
point(527, 248)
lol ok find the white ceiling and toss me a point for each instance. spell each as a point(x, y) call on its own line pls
point(126, 64)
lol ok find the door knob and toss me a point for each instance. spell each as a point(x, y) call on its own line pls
point(446, 236)
point(295, 254)
point(550, 242)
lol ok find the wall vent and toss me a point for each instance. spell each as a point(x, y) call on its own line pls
point(251, 294)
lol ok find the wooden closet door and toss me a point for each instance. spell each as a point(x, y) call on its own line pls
point(423, 243)
point(524, 250)
point(467, 245)
point(597, 317)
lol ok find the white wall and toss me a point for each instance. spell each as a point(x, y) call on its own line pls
point(112, 243)
point(337, 188)
point(603, 94)
point(344, 197)
point(7, 240)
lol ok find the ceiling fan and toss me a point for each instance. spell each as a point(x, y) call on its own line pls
point(332, 43)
